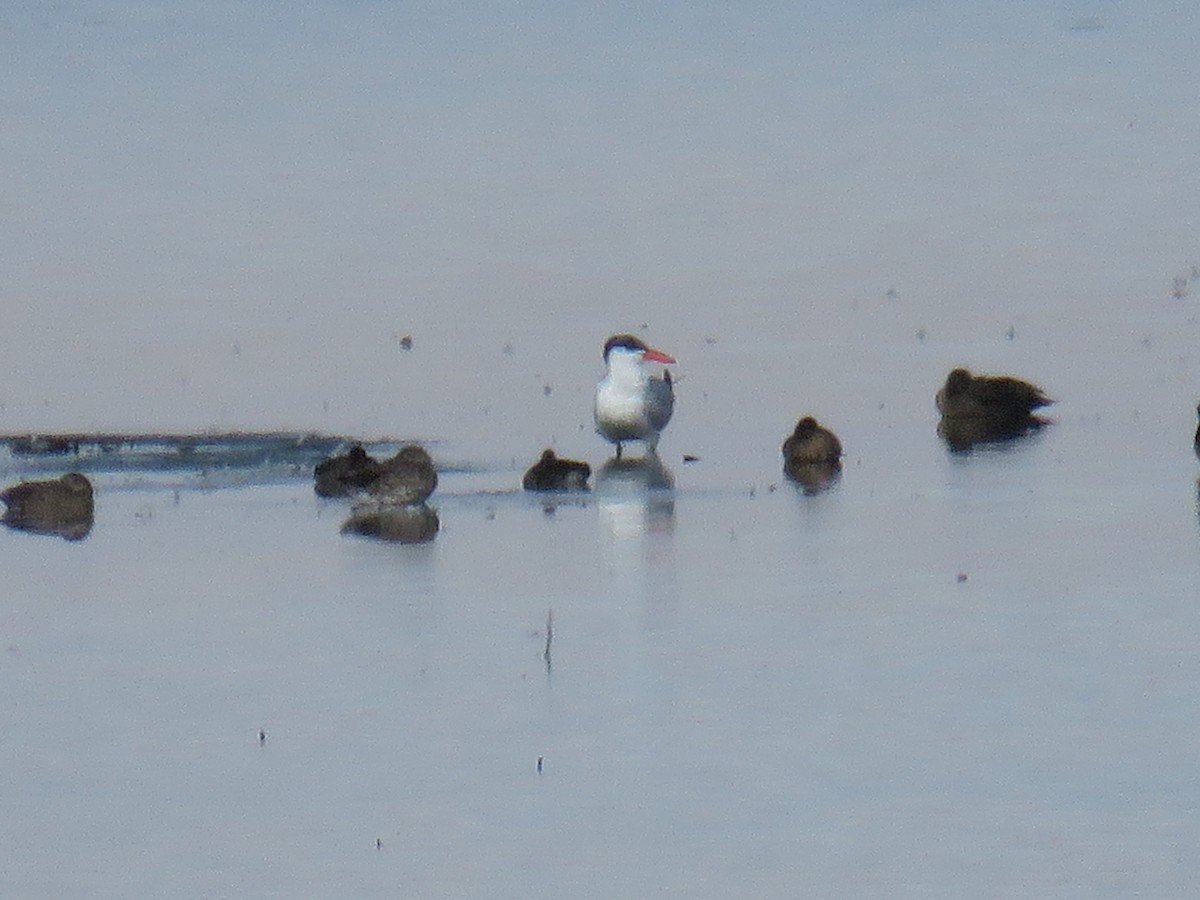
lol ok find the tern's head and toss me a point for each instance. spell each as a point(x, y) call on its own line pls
point(634, 346)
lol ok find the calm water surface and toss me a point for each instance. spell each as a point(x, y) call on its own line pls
point(944, 670)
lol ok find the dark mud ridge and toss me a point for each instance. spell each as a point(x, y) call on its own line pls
point(202, 451)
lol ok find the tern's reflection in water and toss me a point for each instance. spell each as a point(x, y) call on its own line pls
point(401, 523)
point(962, 434)
point(636, 495)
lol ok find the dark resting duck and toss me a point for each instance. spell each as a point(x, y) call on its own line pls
point(407, 478)
point(811, 443)
point(63, 507)
point(340, 476)
point(553, 473)
point(812, 456)
point(1000, 399)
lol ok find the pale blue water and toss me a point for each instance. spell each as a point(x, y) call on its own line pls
point(229, 219)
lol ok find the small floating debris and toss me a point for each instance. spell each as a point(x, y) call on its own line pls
point(690, 458)
point(961, 577)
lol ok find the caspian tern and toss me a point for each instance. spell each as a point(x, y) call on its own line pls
point(631, 405)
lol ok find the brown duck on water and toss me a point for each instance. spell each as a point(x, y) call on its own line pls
point(997, 398)
point(554, 473)
point(812, 456)
point(63, 506)
point(987, 408)
point(811, 443)
point(409, 477)
point(346, 473)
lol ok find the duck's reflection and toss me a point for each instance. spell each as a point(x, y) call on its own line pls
point(636, 495)
point(962, 434)
point(813, 478)
point(401, 523)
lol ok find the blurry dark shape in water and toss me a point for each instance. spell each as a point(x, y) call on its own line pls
point(961, 435)
point(262, 737)
point(999, 399)
point(346, 473)
point(282, 455)
point(814, 477)
point(689, 458)
point(401, 523)
point(406, 342)
point(409, 477)
point(961, 577)
point(811, 442)
point(1196, 438)
point(63, 507)
point(1179, 287)
point(645, 473)
point(43, 445)
point(555, 473)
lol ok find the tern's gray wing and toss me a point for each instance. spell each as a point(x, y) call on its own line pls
point(660, 402)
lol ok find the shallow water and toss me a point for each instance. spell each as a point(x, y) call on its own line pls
point(947, 670)
point(750, 689)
